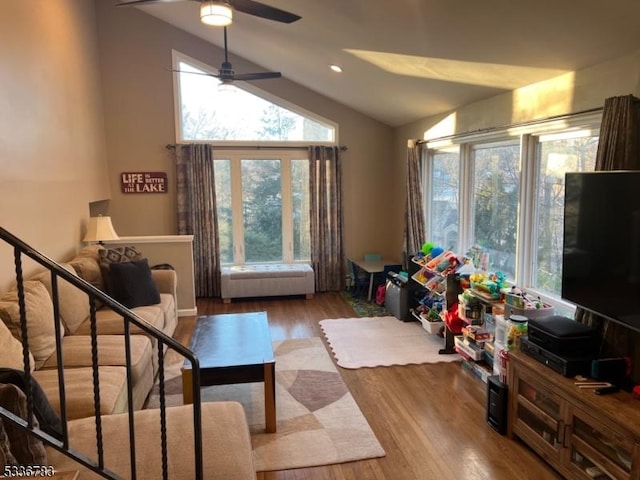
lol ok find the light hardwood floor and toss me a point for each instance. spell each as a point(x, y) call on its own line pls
point(430, 419)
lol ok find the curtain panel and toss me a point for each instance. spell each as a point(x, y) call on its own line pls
point(325, 189)
point(414, 230)
point(196, 206)
point(618, 149)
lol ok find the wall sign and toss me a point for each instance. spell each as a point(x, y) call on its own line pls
point(143, 182)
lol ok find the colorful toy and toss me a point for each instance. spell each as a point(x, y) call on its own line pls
point(426, 248)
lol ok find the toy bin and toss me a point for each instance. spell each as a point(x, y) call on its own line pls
point(396, 299)
point(433, 327)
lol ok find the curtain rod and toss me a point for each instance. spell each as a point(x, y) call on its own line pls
point(257, 147)
point(513, 125)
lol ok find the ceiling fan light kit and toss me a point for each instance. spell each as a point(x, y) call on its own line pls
point(226, 86)
point(218, 14)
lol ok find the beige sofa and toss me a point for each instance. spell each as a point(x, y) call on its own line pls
point(75, 326)
point(226, 441)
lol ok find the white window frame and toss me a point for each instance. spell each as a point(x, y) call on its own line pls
point(286, 157)
point(177, 57)
point(528, 136)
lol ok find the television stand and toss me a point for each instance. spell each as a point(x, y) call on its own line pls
point(579, 433)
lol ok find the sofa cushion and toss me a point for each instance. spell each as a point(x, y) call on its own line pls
point(168, 306)
point(111, 352)
point(40, 323)
point(225, 437)
point(27, 449)
point(111, 255)
point(11, 351)
point(79, 390)
point(88, 268)
point(132, 284)
point(72, 302)
point(109, 322)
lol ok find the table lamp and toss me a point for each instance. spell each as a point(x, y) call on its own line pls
point(100, 229)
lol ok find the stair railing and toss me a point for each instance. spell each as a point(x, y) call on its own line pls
point(130, 319)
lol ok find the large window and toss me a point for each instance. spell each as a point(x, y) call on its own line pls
point(262, 194)
point(557, 155)
point(496, 188)
point(442, 217)
point(238, 113)
point(262, 207)
point(506, 192)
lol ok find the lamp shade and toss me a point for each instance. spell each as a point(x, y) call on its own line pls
point(218, 14)
point(100, 229)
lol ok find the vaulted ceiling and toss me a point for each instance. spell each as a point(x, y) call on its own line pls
point(404, 60)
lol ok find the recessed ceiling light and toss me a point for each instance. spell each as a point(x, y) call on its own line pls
point(335, 68)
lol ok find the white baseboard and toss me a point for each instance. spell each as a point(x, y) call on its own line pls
point(188, 312)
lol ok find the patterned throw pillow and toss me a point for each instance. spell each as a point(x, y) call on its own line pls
point(112, 255)
point(6, 457)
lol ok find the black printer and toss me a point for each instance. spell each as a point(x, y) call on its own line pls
point(563, 344)
point(564, 336)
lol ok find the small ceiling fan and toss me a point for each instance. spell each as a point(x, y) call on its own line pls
point(219, 13)
point(226, 74)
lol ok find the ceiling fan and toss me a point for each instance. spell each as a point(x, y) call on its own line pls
point(226, 74)
point(219, 13)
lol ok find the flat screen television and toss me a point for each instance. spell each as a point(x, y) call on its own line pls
point(601, 254)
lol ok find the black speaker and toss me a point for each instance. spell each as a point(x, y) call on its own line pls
point(497, 401)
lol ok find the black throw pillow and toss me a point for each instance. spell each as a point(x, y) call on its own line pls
point(132, 284)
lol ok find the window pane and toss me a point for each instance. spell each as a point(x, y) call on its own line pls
point(495, 199)
point(300, 200)
point(222, 170)
point(238, 115)
point(262, 210)
point(556, 158)
point(443, 221)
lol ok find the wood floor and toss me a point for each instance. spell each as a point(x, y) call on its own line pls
point(430, 419)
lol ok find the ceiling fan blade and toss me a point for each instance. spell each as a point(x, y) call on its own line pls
point(256, 76)
point(142, 2)
point(264, 11)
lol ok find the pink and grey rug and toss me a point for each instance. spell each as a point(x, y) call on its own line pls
point(318, 421)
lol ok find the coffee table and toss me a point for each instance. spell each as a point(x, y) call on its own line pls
point(234, 348)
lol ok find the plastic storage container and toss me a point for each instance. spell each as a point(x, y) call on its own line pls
point(516, 328)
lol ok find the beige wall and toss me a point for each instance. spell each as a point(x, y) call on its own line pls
point(85, 95)
point(52, 157)
point(569, 93)
point(135, 53)
point(61, 149)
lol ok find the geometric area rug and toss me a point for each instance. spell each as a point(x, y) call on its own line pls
point(382, 341)
point(318, 421)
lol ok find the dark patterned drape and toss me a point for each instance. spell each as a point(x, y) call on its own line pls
point(414, 230)
point(196, 198)
point(325, 188)
point(618, 149)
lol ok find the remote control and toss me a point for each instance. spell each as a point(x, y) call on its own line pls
point(606, 390)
